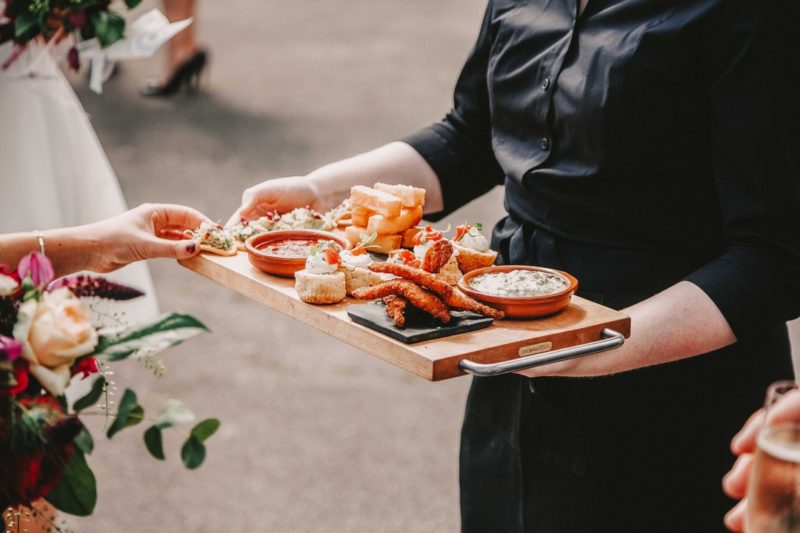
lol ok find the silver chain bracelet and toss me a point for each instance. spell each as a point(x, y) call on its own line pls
point(40, 239)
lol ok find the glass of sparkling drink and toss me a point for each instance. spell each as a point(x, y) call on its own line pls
point(773, 493)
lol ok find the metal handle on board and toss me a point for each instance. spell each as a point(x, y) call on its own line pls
point(611, 339)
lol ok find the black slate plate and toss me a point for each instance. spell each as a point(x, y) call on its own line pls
point(418, 328)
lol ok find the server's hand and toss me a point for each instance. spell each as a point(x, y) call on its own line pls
point(280, 194)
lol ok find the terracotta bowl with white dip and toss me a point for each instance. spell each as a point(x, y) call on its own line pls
point(521, 291)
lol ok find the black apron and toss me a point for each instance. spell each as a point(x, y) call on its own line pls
point(640, 452)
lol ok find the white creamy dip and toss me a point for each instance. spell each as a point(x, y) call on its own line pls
point(363, 260)
point(318, 264)
point(474, 240)
point(518, 283)
point(421, 249)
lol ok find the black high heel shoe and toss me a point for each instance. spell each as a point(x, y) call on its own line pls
point(185, 76)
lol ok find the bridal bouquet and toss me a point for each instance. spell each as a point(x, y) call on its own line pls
point(47, 339)
point(25, 20)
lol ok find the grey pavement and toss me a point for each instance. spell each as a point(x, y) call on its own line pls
point(316, 436)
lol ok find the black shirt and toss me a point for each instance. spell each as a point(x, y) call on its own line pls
point(642, 125)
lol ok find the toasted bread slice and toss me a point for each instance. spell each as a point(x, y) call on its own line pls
point(360, 216)
point(410, 196)
point(383, 244)
point(233, 250)
point(409, 217)
point(353, 233)
point(381, 202)
point(408, 237)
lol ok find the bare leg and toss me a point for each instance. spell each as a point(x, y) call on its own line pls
point(185, 60)
point(183, 45)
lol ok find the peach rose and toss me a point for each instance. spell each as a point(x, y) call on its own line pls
point(54, 332)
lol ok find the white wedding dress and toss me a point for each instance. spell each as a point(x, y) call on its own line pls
point(53, 170)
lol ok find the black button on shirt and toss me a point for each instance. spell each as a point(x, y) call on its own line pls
point(677, 127)
point(544, 143)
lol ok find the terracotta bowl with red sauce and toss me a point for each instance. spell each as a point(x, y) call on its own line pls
point(521, 307)
point(284, 252)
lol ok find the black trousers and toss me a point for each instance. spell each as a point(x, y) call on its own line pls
point(643, 451)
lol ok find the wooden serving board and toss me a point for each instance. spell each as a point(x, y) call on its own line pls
point(433, 360)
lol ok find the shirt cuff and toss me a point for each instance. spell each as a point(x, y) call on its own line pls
point(436, 147)
point(740, 285)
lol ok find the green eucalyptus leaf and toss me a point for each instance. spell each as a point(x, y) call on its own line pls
point(129, 413)
point(154, 442)
point(108, 27)
point(92, 397)
point(153, 337)
point(203, 430)
point(193, 453)
point(132, 3)
point(26, 25)
point(76, 492)
point(84, 441)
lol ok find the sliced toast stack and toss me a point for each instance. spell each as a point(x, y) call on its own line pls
point(392, 212)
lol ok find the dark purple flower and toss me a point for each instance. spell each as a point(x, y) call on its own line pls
point(74, 59)
point(83, 285)
point(10, 349)
point(77, 19)
point(38, 267)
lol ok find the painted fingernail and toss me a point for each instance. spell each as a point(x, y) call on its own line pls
point(191, 247)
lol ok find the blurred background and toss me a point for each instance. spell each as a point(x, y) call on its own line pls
point(316, 436)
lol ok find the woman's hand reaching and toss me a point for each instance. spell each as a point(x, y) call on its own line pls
point(146, 232)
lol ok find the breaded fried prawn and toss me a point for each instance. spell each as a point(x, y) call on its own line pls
point(459, 300)
point(416, 296)
point(425, 279)
point(396, 309)
point(451, 296)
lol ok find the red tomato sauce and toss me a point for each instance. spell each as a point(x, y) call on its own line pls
point(300, 248)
